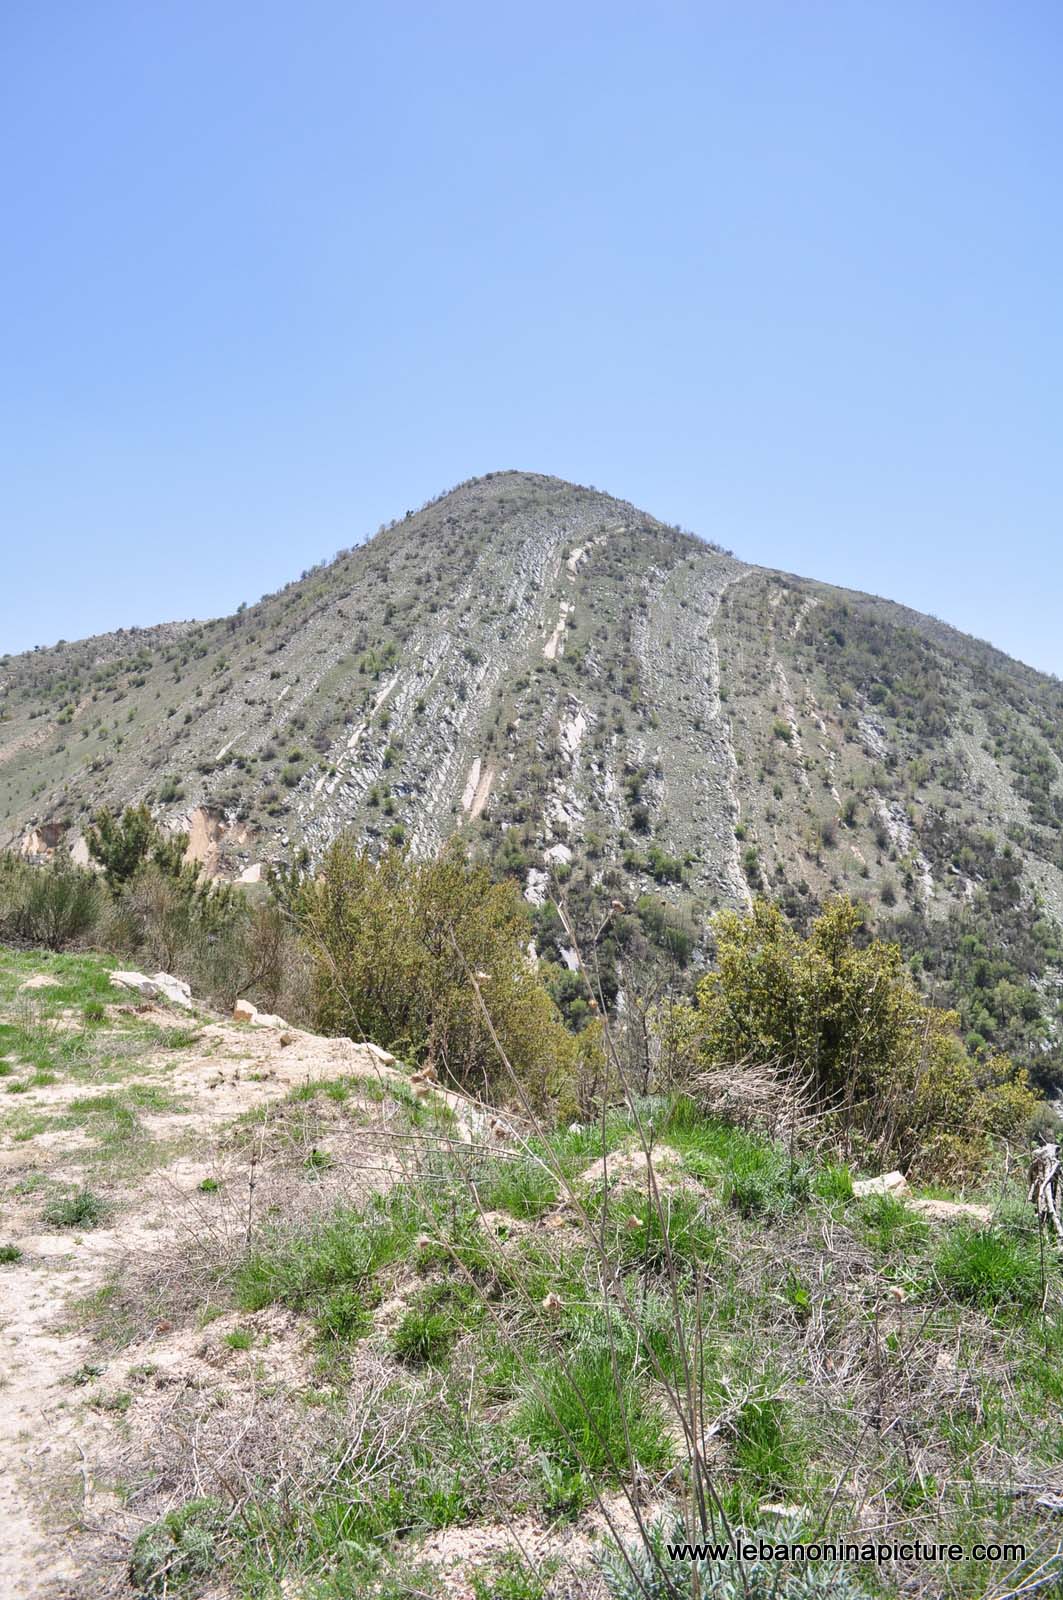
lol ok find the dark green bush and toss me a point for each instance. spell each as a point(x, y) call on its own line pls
point(53, 905)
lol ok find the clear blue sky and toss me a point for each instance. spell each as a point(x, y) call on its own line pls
point(790, 274)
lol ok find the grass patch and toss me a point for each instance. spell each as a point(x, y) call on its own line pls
point(81, 1208)
point(522, 1186)
point(424, 1338)
point(891, 1227)
point(329, 1271)
point(582, 1416)
point(990, 1270)
point(173, 1555)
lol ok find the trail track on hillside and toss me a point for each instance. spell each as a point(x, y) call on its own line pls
point(63, 1532)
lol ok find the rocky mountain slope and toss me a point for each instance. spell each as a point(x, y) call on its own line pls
point(591, 698)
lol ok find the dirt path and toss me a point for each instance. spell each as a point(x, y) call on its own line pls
point(49, 1441)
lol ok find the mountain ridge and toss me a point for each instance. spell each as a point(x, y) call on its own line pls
point(598, 702)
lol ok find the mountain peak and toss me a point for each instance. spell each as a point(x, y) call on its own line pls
point(582, 693)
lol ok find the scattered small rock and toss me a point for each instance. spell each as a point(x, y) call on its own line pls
point(894, 1183)
point(952, 1210)
point(162, 986)
point(245, 1011)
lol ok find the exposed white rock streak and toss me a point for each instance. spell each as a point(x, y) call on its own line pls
point(682, 683)
point(572, 730)
point(555, 645)
point(801, 613)
point(471, 783)
point(790, 713)
point(535, 886)
point(477, 789)
point(902, 836)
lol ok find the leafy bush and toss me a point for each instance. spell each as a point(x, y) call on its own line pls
point(399, 948)
point(123, 845)
point(845, 1013)
point(53, 905)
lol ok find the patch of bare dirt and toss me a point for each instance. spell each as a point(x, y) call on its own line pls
point(631, 1169)
point(62, 1417)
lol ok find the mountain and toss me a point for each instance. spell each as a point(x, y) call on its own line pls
point(595, 698)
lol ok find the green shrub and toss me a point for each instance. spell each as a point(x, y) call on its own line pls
point(123, 845)
point(53, 905)
point(844, 1012)
point(79, 1209)
point(395, 946)
point(171, 1556)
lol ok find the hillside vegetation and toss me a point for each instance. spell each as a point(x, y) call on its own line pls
point(506, 1312)
point(592, 700)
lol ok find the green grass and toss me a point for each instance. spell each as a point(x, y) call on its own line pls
point(329, 1271)
point(754, 1175)
point(673, 1230)
point(424, 1337)
point(763, 1449)
point(81, 980)
point(582, 1417)
point(514, 1406)
point(9, 1254)
point(113, 1118)
point(107, 1045)
point(521, 1185)
point(990, 1270)
point(890, 1227)
point(511, 1578)
point(81, 1208)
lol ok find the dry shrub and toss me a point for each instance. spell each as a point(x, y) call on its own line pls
point(757, 1098)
